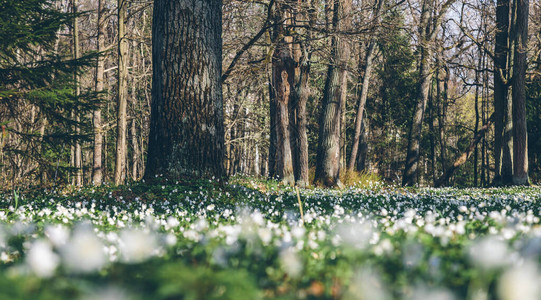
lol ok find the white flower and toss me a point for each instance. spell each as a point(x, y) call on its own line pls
point(85, 251)
point(422, 293)
point(354, 234)
point(265, 235)
point(170, 240)
point(109, 293)
point(137, 245)
point(366, 285)
point(57, 234)
point(489, 253)
point(291, 262)
point(172, 222)
point(520, 283)
point(298, 232)
point(41, 259)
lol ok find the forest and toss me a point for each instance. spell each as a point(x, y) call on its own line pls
point(313, 92)
point(270, 149)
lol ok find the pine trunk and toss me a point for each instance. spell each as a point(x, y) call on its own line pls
point(187, 125)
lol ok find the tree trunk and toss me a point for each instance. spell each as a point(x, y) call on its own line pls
point(97, 166)
point(501, 52)
point(370, 52)
point(135, 150)
point(441, 120)
point(425, 75)
point(187, 126)
point(283, 82)
point(76, 54)
point(328, 154)
point(520, 134)
point(122, 101)
point(302, 54)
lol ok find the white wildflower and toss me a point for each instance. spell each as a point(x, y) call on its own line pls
point(137, 245)
point(84, 252)
point(41, 259)
point(520, 283)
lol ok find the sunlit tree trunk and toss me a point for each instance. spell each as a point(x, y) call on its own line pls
point(78, 159)
point(328, 154)
point(302, 54)
point(97, 166)
point(370, 53)
point(122, 101)
point(187, 126)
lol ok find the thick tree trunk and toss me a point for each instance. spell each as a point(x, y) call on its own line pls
point(122, 101)
point(97, 166)
point(344, 24)
point(302, 53)
point(301, 166)
point(328, 154)
point(501, 52)
point(283, 82)
point(370, 52)
point(520, 134)
point(187, 126)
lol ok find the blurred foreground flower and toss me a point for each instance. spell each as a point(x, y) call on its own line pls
point(137, 245)
point(84, 252)
point(41, 259)
point(521, 283)
point(489, 253)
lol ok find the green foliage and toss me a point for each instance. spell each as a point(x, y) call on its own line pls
point(37, 86)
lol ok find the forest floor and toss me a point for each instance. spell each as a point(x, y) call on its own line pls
point(251, 240)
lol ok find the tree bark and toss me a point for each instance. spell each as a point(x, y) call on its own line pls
point(428, 28)
point(328, 154)
point(370, 52)
point(122, 101)
point(520, 134)
point(284, 69)
point(76, 55)
point(302, 54)
point(425, 75)
point(97, 166)
point(501, 89)
point(187, 126)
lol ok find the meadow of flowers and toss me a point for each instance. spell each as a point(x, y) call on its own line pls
point(253, 241)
